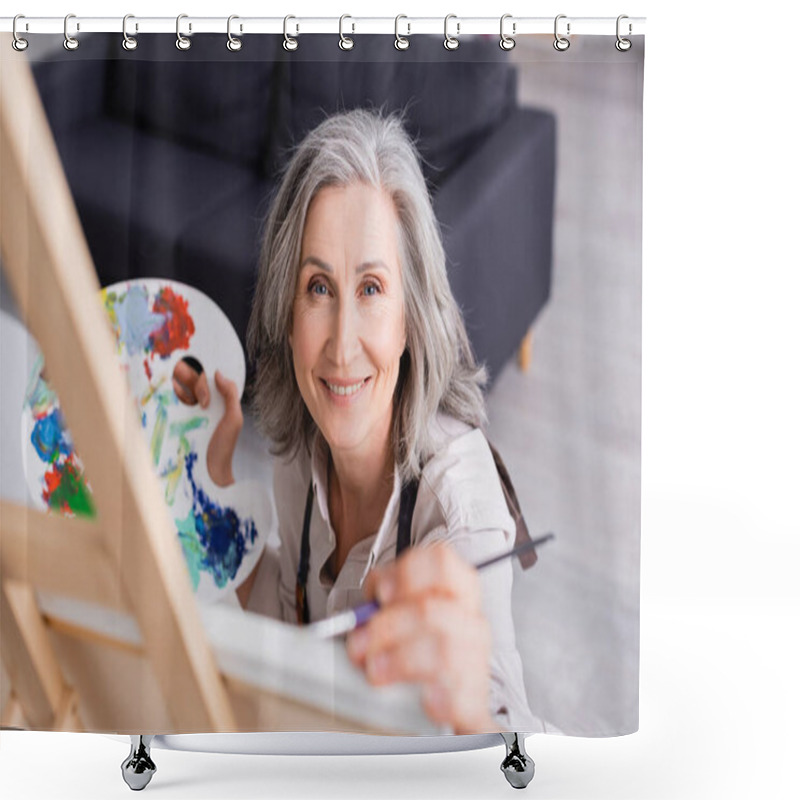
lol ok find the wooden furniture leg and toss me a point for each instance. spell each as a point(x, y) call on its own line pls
point(525, 352)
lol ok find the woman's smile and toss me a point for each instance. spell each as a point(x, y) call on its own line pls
point(344, 392)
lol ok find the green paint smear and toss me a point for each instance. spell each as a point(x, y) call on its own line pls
point(172, 473)
point(109, 300)
point(192, 548)
point(73, 493)
point(180, 429)
point(159, 428)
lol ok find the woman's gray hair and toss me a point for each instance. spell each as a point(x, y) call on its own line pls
point(437, 370)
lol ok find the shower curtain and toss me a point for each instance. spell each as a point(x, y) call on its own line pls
point(308, 263)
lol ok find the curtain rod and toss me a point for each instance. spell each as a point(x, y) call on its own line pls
point(298, 25)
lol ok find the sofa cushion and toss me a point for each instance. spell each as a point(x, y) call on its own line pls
point(137, 193)
point(72, 89)
point(218, 254)
point(205, 97)
point(452, 99)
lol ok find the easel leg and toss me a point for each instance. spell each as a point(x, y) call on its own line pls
point(13, 715)
point(138, 768)
point(67, 716)
point(518, 766)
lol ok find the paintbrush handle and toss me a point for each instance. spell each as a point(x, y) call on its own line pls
point(358, 616)
point(523, 548)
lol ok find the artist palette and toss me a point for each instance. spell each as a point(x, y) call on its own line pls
point(156, 324)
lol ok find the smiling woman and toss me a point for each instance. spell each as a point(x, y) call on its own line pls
point(366, 384)
point(348, 330)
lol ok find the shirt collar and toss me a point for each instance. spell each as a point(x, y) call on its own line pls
point(319, 474)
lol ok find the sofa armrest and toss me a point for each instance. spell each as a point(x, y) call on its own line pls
point(496, 215)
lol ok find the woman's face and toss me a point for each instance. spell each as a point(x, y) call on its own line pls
point(348, 329)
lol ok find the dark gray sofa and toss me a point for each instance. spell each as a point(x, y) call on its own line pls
point(172, 158)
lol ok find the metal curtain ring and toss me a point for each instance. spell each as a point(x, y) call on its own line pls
point(400, 42)
point(451, 42)
point(506, 41)
point(233, 44)
point(182, 43)
point(561, 43)
point(70, 43)
point(128, 42)
point(345, 42)
point(18, 43)
point(623, 45)
point(288, 42)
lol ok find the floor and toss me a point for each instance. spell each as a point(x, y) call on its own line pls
point(570, 428)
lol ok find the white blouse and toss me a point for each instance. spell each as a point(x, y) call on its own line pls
point(459, 501)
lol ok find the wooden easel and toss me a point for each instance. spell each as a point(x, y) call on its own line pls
point(43, 246)
point(128, 558)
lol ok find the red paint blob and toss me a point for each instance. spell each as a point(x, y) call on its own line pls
point(178, 326)
point(53, 480)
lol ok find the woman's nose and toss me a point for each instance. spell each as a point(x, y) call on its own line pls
point(344, 342)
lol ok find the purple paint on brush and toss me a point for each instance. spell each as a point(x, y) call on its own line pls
point(364, 612)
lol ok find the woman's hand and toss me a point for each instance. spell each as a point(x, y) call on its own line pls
point(430, 630)
point(192, 388)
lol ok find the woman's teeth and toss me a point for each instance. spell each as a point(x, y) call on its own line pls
point(343, 391)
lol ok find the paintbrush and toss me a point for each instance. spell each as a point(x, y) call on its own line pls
point(358, 616)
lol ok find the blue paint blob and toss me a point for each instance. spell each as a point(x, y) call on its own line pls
point(49, 437)
point(223, 535)
point(136, 320)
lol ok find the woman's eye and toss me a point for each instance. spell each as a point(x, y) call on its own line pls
point(318, 288)
point(371, 289)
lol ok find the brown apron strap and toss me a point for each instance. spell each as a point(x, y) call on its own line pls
point(527, 559)
point(300, 595)
point(408, 499)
